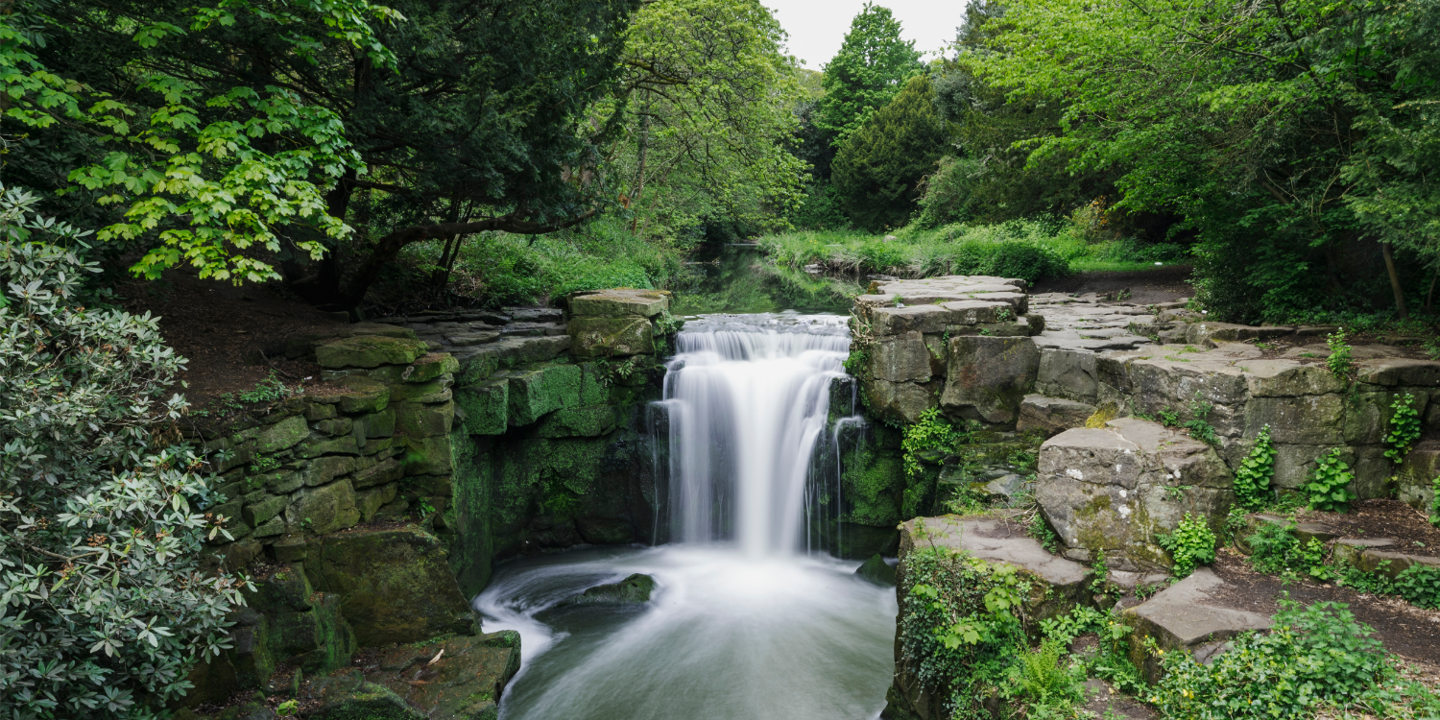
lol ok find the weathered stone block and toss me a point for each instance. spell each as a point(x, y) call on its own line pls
point(325, 469)
point(417, 420)
point(271, 528)
point(427, 456)
point(368, 502)
point(377, 424)
point(620, 302)
point(1188, 616)
point(484, 409)
point(1283, 378)
point(368, 351)
point(900, 358)
point(256, 514)
point(1068, 374)
point(395, 585)
point(989, 376)
point(316, 411)
point(611, 336)
point(911, 318)
point(282, 435)
point(1114, 488)
point(361, 395)
point(335, 426)
point(430, 367)
point(386, 471)
point(1306, 420)
point(421, 391)
point(324, 509)
point(1399, 371)
point(898, 402)
point(1052, 415)
point(533, 393)
point(590, 421)
point(334, 446)
point(283, 482)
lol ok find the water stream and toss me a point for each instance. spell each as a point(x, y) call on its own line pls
point(745, 622)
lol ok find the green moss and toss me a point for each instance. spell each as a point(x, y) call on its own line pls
point(872, 482)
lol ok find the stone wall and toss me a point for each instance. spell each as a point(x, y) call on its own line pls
point(979, 349)
point(372, 508)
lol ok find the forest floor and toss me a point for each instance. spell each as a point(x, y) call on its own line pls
point(232, 337)
point(1145, 287)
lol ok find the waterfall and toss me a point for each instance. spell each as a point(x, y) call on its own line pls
point(748, 399)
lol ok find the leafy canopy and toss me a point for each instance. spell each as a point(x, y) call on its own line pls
point(878, 170)
point(869, 69)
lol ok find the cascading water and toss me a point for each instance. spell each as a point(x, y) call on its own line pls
point(748, 397)
point(744, 624)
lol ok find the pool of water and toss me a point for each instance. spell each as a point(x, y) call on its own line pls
point(726, 636)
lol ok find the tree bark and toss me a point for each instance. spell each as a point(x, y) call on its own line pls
point(337, 203)
point(389, 246)
point(640, 176)
point(1389, 253)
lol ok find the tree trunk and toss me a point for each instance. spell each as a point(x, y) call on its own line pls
point(1430, 296)
point(644, 153)
point(1389, 253)
point(337, 203)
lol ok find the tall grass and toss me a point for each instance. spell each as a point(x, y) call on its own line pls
point(1029, 249)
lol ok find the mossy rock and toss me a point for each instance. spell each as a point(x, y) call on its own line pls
point(633, 590)
point(430, 367)
point(484, 409)
point(535, 393)
point(368, 351)
point(877, 571)
point(282, 435)
point(590, 421)
point(362, 395)
point(396, 585)
point(611, 336)
point(348, 696)
point(620, 302)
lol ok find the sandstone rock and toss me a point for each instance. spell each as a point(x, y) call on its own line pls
point(376, 425)
point(611, 336)
point(1399, 371)
point(900, 358)
point(988, 377)
point(324, 509)
point(282, 435)
point(1052, 415)
point(257, 514)
point(427, 456)
point(911, 318)
point(1187, 616)
point(591, 421)
point(347, 696)
point(325, 469)
point(620, 302)
point(362, 395)
point(1307, 420)
point(421, 421)
point(385, 471)
point(534, 393)
point(368, 351)
point(395, 585)
point(898, 402)
point(1114, 488)
point(1068, 374)
point(422, 392)
point(484, 409)
point(430, 367)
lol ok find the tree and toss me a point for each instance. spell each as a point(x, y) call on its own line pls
point(878, 170)
point(194, 167)
point(868, 70)
point(709, 95)
point(1290, 137)
point(104, 606)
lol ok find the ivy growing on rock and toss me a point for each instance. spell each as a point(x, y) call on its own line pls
point(104, 603)
point(1329, 486)
point(1404, 428)
point(1252, 479)
point(1192, 544)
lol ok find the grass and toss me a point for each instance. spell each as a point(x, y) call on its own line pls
point(1031, 249)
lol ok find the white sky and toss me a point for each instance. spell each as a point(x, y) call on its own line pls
point(817, 27)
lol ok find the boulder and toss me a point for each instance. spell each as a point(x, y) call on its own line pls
point(898, 401)
point(900, 358)
point(988, 377)
point(611, 336)
point(484, 409)
point(348, 696)
point(1067, 374)
point(457, 678)
point(633, 590)
point(877, 571)
point(620, 302)
point(324, 509)
point(591, 421)
point(535, 393)
point(1052, 415)
point(1115, 488)
point(368, 351)
point(395, 586)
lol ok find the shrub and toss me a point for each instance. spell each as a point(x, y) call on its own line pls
point(105, 606)
point(1317, 655)
point(1328, 488)
point(1339, 362)
point(1275, 549)
point(1252, 479)
point(1192, 544)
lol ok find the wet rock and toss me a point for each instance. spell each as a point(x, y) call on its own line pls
point(396, 585)
point(877, 571)
point(458, 678)
point(633, 590)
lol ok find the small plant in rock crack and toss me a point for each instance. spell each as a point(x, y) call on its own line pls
point(1199, 422)
point(1435, 502)
point(1192, 544)
point(1252, 479)
point(1100, 576)
point(1328, 488)
point(1169, 418)
point(1339, 362)
point(1004, 314)
point(1041, 532)
point(1404, 428)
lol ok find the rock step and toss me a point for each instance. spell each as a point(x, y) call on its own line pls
point(1190, 616)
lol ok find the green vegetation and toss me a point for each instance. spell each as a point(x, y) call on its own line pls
point(1315, 658)
point(1252, 479)
point(1339, 362)
point(878, 167)
point(865, 74)
point(1190, 545)
point(1404, 428)
point(102, 510)
point(930, 434)
point(1275, 549)
point(1329, 486)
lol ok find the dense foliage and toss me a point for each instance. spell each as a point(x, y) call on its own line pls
point(878, 169)
point(104, 605)
point(872, 64)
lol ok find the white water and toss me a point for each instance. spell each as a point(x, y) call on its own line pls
point(742, 624)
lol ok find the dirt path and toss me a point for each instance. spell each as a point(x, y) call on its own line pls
point(1163, 284)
